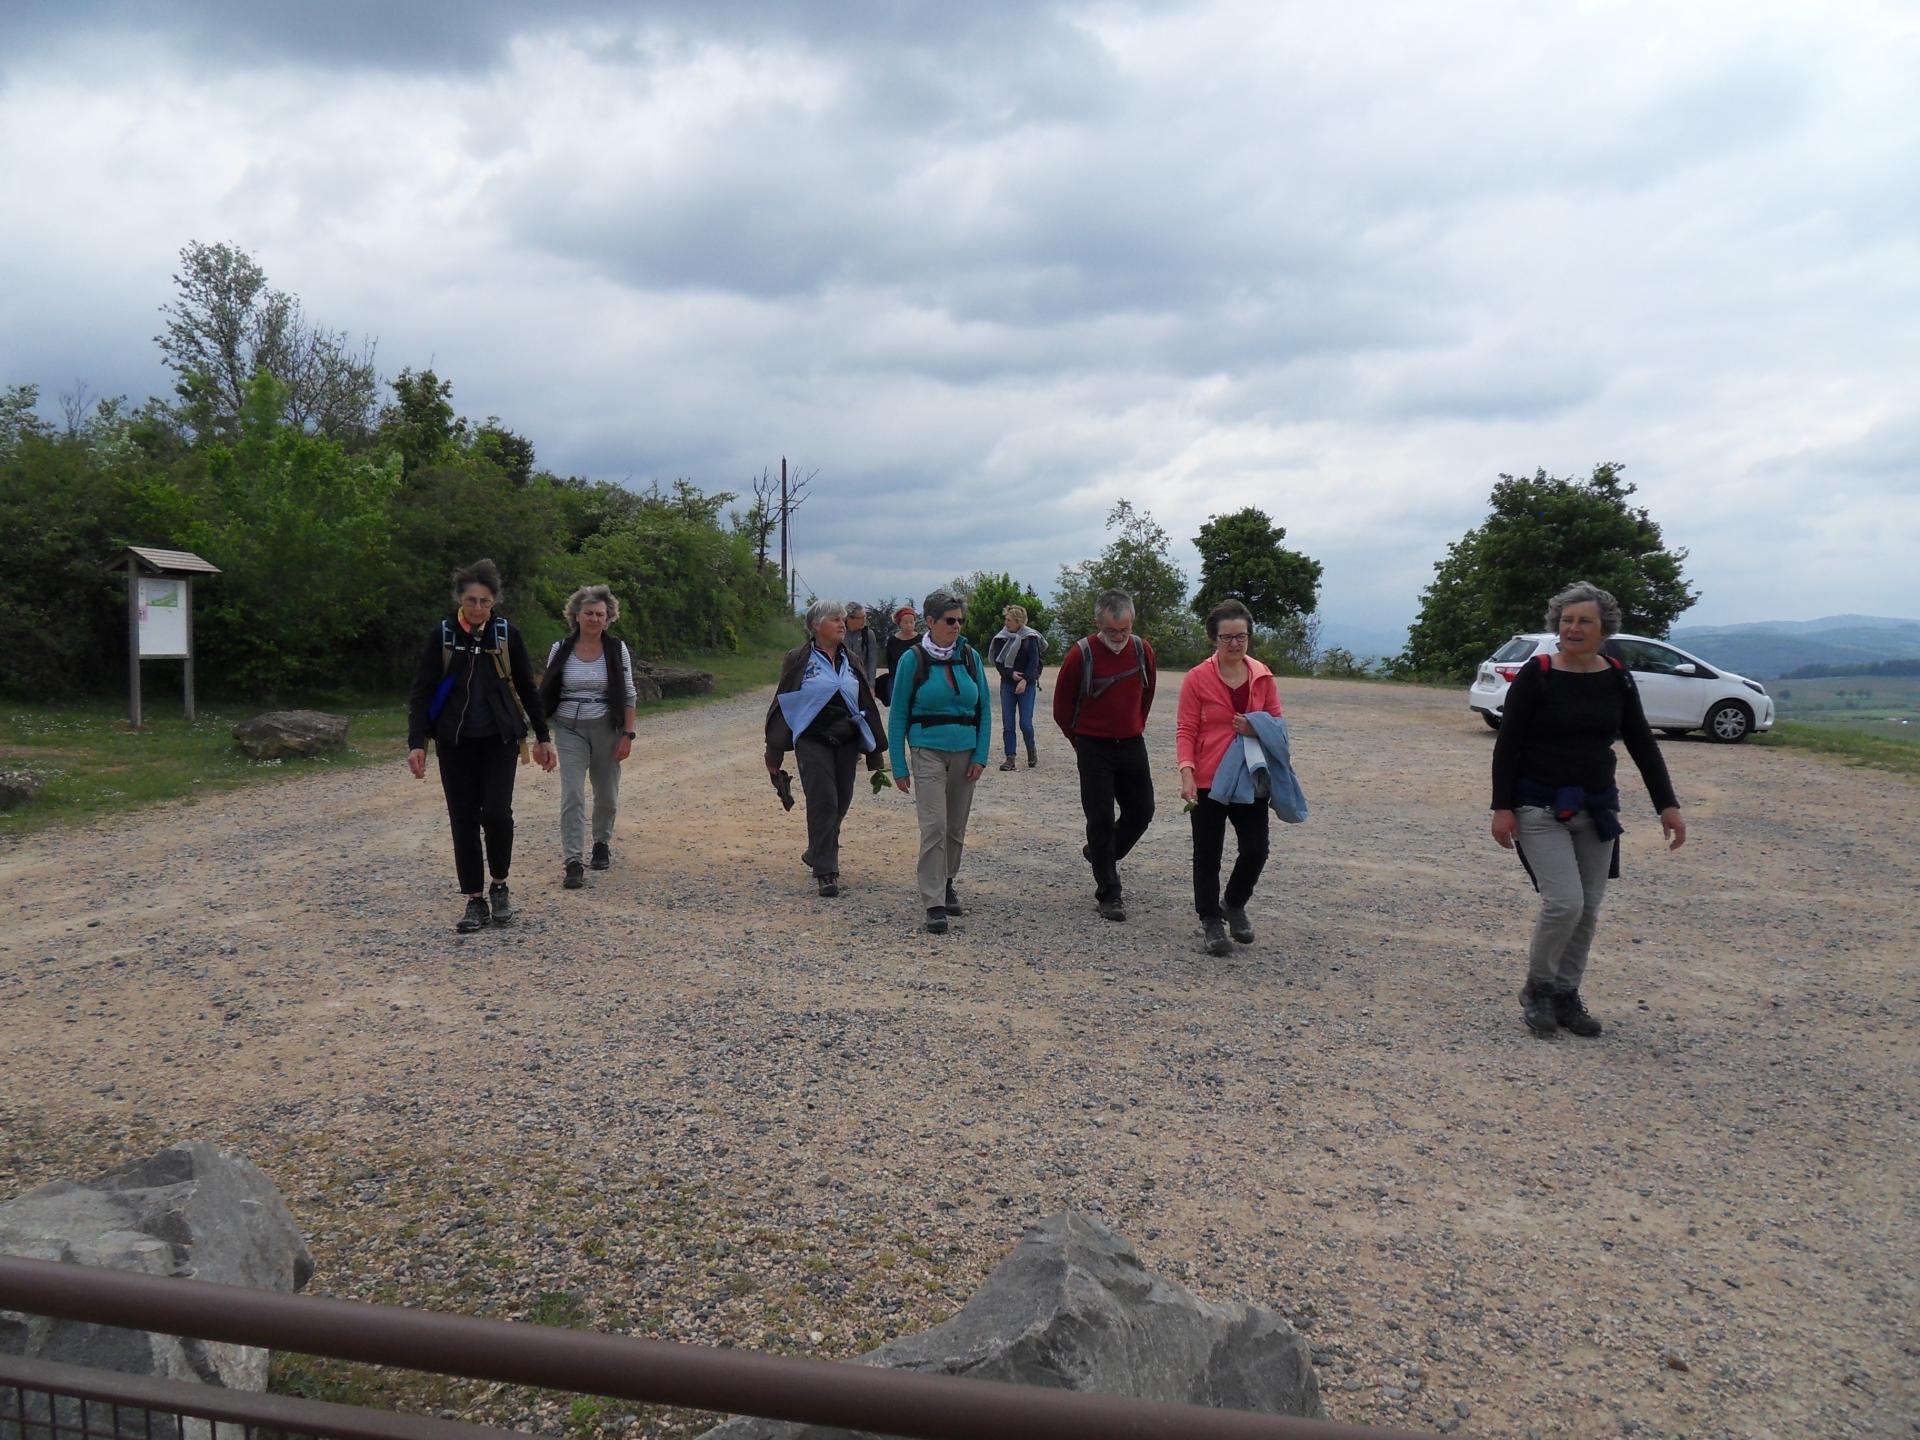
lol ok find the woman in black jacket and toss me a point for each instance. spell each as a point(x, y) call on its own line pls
point(1554, 799)
point(474, 694)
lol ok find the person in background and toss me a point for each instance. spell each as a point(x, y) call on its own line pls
point(940, 710)
point(823, 711)
point(1016, 652)
point(904, 637)
point(1555, 801)
point(588, 691)
point(473, 693)
point(863, 643)
point(1101, 698)
point(1215, 700)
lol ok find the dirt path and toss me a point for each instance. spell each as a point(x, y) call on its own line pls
point(715, 1106)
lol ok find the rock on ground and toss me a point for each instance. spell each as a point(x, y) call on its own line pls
point(280, 733)
point(189, 1210)
point(17, 787)
point(1072, 1308)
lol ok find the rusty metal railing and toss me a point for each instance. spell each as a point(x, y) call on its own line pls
point(820, 1392)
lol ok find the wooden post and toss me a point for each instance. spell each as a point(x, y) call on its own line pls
point(186, 603)
point(133, 641)
point(786, 587)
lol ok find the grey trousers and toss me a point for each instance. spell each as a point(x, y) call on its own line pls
point(586, 753)
point(1570, 863)
point(826, 779)
point(943, 799)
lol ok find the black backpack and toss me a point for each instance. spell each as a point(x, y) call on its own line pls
point(963, 654)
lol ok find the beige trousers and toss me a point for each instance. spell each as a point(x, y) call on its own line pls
point(943, 799)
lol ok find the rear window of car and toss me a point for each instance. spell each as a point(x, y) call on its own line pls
point(1518, 648)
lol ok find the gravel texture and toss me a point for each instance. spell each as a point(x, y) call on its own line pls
point(696, 1101)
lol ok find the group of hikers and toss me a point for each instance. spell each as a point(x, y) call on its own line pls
point(476, 697)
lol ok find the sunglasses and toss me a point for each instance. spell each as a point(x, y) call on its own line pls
point(951, 620)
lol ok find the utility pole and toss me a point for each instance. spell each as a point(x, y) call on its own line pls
point(786, 585)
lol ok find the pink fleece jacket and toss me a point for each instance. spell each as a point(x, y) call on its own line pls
point(1204, 726)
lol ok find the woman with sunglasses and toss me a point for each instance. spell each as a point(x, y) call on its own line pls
point(940, 711)
point(1214, 701)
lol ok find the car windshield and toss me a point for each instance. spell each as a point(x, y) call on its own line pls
point(1518, 648)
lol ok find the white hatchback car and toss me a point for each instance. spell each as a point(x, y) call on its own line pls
point(1680, 692)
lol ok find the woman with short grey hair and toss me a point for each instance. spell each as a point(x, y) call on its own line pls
point(1555, 801)
point(588, 691)
point(940, 711)
point(823, 711)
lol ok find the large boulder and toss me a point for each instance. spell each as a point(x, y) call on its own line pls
point(17, 787)
point(672, 680)
point(280, 733)
point(1072, 1308)
point(189, 1210)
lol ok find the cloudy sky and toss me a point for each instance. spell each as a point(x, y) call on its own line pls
point(987, 267)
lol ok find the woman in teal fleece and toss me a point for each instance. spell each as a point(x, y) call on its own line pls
point(940, 710)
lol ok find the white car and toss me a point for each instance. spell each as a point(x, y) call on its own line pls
point(1680, 692)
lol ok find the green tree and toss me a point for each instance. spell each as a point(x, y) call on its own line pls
point(1135, 560)
point(1542, 534)
point(987, 595)
point(226, 324)
point(297, 527)
point(1242, 557)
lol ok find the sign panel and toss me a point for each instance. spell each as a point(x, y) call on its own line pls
point(163, 619)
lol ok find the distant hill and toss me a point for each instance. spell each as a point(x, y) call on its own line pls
point(1770, 648)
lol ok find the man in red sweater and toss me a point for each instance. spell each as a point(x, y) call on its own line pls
point(1101, 697)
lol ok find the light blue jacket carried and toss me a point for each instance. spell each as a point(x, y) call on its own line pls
point(1234, 782)
point(945, 716)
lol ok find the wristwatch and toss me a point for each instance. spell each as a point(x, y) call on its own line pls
point(627, 733)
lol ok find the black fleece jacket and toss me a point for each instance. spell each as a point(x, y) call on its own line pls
point(479, 705)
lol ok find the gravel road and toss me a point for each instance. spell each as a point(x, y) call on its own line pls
point(695, 1100)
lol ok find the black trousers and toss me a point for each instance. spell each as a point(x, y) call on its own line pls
point(826, 779)
point(477, 776)
point(1113, 773)
point(1210, 819)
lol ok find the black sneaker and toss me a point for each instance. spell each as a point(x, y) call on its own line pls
point(1536, 1007)
point(1572, 1014)
point(936, 921)
point(953, 901)
point(576, 875)
point(478, 916)
point(829, 886)
point(1217, 941)
point(1008, 764)
point(602, 856)
point(1112, 909)
point(1238, 925)
point(499, 903)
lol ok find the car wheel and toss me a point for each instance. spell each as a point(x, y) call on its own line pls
point(1493, 721)
point(1729, 722)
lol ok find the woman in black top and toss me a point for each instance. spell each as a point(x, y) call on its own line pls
point(1554, 798)
point(474, 693)
point(904, 637)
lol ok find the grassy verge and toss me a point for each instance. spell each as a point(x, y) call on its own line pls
point(1856, 747)
point(93, 765)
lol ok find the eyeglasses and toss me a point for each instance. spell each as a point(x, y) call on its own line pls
point(479, 602)
point(951, 620)
point(1233, 639)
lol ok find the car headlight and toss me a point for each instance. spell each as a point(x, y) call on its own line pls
point(1755, 686)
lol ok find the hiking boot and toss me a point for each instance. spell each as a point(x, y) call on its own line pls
point(478, 916)
point(1217, 941)
point(936, 920)
point(602, 855)
point(1032, 759)
point(1008, 764)
point(576, 875)
point(1238, 925)
point(952, 906)
point(1112, 909)
point(830, 886)
point(499, 903)
point(1536, 1007)
point(1572, 1015)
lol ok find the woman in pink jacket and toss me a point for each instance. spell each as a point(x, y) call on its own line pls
point(1214, 701)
